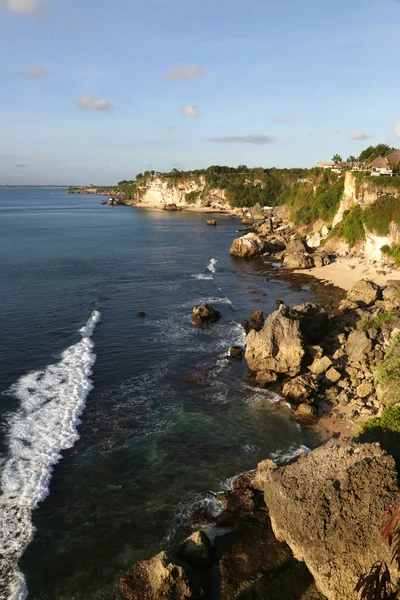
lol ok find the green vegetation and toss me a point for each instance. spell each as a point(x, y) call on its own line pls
point(388, 421)
point(192, 197)
point(372, 152)
point(388, 373)
point(378, 216)
point(375, 322)
point(351, 227)
point(393, 252)
point(337, 159)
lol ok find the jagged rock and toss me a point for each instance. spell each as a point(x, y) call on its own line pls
point(332, 376)
point(345, 305)
point(236, 352)
point(159, 578)
point(248, 219)
point(328, 507)
point(314, 321)
point(211, 222)
point(320, 365)
point(266, 377)
point(171, 207)
point(364, 293)
point(205, 314)
point(358, 345)
point(391, 294)
point(264, 229)
point(258, 318)
point(196, 551)
point(305, 413)
point(296, 247)
point(365, 389)
point(141, 313)
point(246, 325)
point(321, 259)
point(278, 347)
point(298, 261)
point(300, 388)
point(247, 246)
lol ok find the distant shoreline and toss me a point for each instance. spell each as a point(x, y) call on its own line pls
point(35, 186)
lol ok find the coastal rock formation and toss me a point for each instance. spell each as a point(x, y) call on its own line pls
point(212, 222)
point(300, 389)
point(236, 352)
point(171, 207)
point(196, 551)
point(247, 246)
point(321, 259)
point(205, 314)
point(296, 247)
point(298, 261)
point(364, 293)
point(159, 578)
point(314, 321)
point(278, 347)
point(391, 295)
point(328, 508)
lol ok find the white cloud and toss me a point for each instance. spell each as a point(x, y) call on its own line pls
point(25, 7)
point(396, 131)
point(184, 73)
point(34, 72)
point(244, 139)
point(189, 112)
point(358, 136)
point(281, 120)
point(86, 102)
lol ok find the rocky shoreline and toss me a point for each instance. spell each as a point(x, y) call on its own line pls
point(311, 528)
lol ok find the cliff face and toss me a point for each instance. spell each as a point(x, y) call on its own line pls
point(159, 192)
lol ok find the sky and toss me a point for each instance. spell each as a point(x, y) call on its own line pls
point(97, 91)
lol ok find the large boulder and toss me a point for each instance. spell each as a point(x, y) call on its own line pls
point(321, 259)
point(205, 314)
point(328, 508)
point(314, 321)
point(358, 345)
point(364, 293)
point(159, 578)
point(298, 261)
point(300, 389)
point(278, 347)
point(196, 551)
point(391, 294)
point(296, 247)
point(247, 246)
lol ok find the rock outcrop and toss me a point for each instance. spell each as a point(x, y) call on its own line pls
point(278, 347)
point(364, 293)
point(247, 246)
point(205, 314)
point(328, 508)
point(298, 261)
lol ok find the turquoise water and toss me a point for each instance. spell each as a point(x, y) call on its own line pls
point(110, 435)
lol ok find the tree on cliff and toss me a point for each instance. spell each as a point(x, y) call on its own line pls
point(337, 159)
point(372, 152)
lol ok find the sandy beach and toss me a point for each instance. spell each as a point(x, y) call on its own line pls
point(345, 272)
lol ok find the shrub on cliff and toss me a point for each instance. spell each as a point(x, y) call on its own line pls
point(378, 216)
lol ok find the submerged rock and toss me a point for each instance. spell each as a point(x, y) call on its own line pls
point(247, 246)
point(205, 314)
point(328, 507)
point(236, 352)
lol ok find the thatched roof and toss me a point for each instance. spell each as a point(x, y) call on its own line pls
point(394, 158)
point(380, 163)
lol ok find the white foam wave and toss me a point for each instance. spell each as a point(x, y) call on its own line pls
point(51, 402)
point(281, 457)
point(210, 300)
point(211, 265)
point(202, 277)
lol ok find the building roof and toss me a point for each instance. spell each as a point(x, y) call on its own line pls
point(394, 158)
point(326, 164)
point(380, 163)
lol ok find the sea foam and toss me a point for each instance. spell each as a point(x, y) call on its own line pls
point(51, 402)
point(211, 265)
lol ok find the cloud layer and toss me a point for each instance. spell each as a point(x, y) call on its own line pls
point(358, 136)
point(396, 131)
point(184, 73)
point(86, 102)
point(258, 139)
point(25, 7)
point(34, 72)
point(189, 112)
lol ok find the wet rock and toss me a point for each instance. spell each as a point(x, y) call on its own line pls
point(258, 318)
point(142, 314)
point(246, 325)
point(320, 365)
point(159, 578)
point(358, 345)
point(328, 508)
point(278, 347)
point(298, 261)
point(205, 314)
point(300, 388)
point(305, 414)
point(211, 222)
point(196, 551)
point(236, 352)
point(247, 246)
point(364, 293)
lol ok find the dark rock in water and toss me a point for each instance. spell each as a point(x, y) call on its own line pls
point(142, 314)
point(196, 551)
point(258, 318)
point(279, 302)
point(305, 414)
point(328, 507)
point(205, 314)
point(212, 222)
point(103, 202)
point(246, 325)
point(236, 352)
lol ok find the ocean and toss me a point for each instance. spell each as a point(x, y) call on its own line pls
point(113, 426)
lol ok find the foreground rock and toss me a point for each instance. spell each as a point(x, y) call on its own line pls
point(205, 314)
point(278, 347)
point(328, 508)
point(247, 246)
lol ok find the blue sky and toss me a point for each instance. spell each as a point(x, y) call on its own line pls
point(95, 92)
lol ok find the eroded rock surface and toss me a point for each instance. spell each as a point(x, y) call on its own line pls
point(205, 314)
point(364, 293)
point(247, 246)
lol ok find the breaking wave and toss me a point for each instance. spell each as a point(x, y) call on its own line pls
point(51, 402)
point(211, 265)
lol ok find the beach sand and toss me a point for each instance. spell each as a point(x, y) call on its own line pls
point(345, 272)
